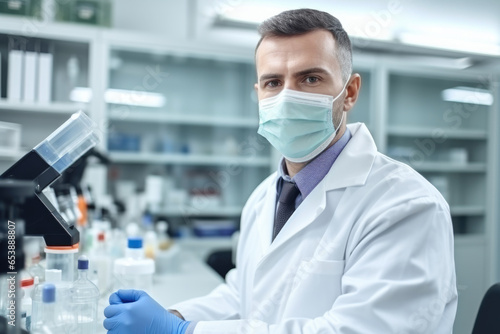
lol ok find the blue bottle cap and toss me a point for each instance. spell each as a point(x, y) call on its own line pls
point(49, 293)
point(134, 242)
point(83, 262)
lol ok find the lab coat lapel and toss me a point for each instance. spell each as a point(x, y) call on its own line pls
point(354, 163)
point(265, 211)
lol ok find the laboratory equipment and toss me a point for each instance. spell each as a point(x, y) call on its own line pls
point(168, 252)
point(49, 322)
point(62, 258)
point(84, 300)
point(27, 286)
point(53, 277)
point(134, 271)
point(100, 263)
point(13, 194)
point(36, 269)
point(43, 165)
point(25, 210)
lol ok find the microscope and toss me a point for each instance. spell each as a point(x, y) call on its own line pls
point(25, 210)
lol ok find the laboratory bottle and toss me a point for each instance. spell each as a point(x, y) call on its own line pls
point(62, 258)
point(84, 300)
point(27, 286)
point(100, 265)
point(48, 322)
point(36, 269)
point(167, 256)
point(52, 276)
point(134, 271)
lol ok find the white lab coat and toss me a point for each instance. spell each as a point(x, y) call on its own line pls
point(370, 250)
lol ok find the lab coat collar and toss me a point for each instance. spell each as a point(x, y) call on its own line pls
point(351, 168)
point(354, 163)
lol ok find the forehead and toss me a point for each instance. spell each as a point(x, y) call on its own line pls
point(288, 53)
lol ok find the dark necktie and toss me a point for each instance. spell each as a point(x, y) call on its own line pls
point(286, 205)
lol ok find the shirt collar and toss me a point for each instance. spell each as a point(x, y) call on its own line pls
point(312, 174)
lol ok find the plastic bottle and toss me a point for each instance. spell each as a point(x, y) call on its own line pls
point(100, 265)
point(27, 286)
point(36, 269)
point(52, 276)
point(167, 256)
point(84, 300)
point(48, 318)
point(150, 237)
point(134, 271)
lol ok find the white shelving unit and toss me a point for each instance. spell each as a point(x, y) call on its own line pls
point(63, 108)
point(179, 118)
point(228, 211)
point(405, 131)
point(187, 159)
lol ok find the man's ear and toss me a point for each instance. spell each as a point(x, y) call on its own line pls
point(352, 88)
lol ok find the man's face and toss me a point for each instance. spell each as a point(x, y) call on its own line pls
point(305, 63)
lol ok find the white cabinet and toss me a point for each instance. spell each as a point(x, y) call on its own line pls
point(52, 82)
point(439, 123)
point(191, 117)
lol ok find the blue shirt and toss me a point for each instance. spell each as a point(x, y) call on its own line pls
point(312, 174)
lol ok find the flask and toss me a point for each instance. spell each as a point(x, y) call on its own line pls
point(84, 297)
point(134, 271)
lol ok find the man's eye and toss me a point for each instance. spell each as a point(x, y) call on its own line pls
point(312, 79)
point(272, 83)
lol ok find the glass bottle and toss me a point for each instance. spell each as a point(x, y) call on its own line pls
point(84, 300)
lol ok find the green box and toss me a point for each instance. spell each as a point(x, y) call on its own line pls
point(94, 12)
point(21, 7)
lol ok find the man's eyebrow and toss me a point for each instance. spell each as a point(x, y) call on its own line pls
point(297, 74)
point(270, 76)
point(310, 71)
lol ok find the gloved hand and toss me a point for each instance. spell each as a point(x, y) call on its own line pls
point(135, 312)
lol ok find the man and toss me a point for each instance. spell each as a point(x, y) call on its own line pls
point(341, 239)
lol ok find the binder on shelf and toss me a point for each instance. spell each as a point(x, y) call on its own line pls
point(15, 75)
point(45, 62)
point(30, 71)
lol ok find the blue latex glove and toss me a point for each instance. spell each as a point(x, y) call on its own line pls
point(135, 312)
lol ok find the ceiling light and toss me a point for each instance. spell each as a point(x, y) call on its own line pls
point(121, 96)
point(134, 98)
point(468, 95)
point(81, 94)
point(446, 43)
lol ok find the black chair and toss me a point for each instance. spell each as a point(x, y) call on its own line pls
point(488, 316)
point(221, 261)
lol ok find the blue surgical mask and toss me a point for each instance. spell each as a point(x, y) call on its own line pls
point(298, 124)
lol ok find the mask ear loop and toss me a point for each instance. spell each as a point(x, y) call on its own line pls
point(343, 111)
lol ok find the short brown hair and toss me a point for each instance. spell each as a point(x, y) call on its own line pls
point(301, 21)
